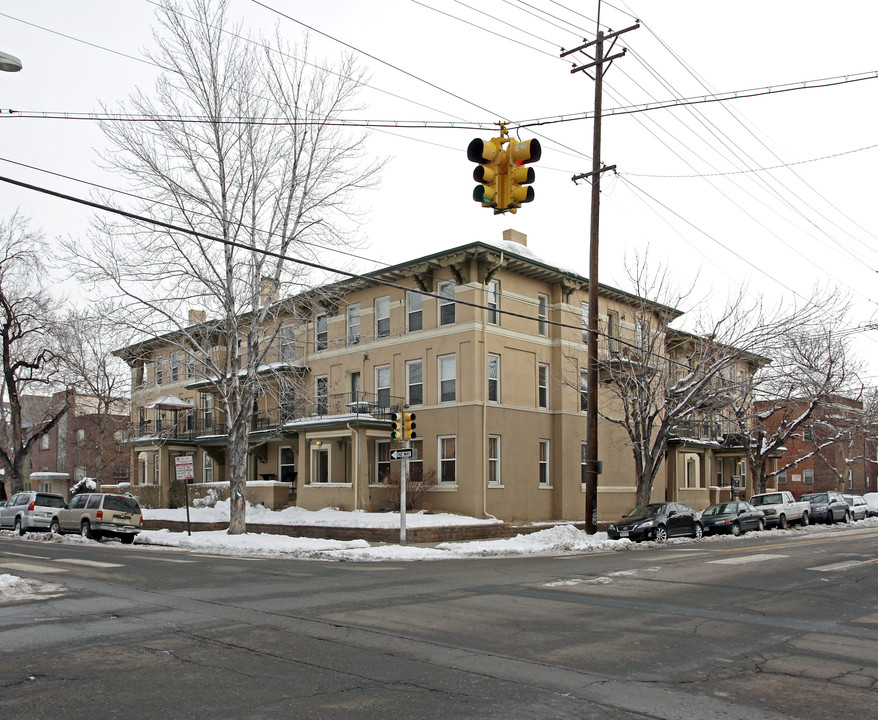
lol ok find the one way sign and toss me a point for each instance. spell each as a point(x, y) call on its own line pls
point(403, 454)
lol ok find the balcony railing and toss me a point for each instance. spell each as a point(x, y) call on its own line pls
point(194, 424)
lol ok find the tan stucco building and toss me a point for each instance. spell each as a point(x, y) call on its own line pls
point(492, 361)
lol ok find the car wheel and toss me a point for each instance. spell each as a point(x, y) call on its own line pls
point(127, 539)
point(846, 518)
point(660, 534)
point(805, 519)
point(736, 529)
point(18, 527)
point(55, 527)
point(85, 530)
point(782, 522)
point(761, 525)
point(699, 531)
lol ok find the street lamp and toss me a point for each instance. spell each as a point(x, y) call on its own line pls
point(9, 63)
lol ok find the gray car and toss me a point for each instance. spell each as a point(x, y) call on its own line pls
point(29, 510)
point(858, 505)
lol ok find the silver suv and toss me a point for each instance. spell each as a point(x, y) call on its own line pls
point(29, 510)
point(97, 515)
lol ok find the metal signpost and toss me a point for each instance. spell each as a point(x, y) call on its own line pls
point(403, 454)
point(183, 464)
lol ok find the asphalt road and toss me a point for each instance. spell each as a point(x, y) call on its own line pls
point(768, 627)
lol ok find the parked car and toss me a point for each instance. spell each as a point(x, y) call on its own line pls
point(732, 517)
point(657, 521)
point(29, 510)
point(781, 508)
point(828, 506)
point(859, 507)
point(98, 515)
point(872, 501)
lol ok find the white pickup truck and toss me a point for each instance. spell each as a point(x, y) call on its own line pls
point(782, 509)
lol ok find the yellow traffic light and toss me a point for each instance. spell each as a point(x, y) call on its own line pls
point(408, 426)
point(520, 153)
point(396, 426)
point(490, 156)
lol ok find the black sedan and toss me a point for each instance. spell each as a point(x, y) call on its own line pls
point(657, 521)
point(732, 517)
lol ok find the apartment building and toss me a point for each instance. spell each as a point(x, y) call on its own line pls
point(484, 342)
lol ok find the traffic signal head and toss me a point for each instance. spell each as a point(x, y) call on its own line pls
point(521, 153)
point(408, 426)
point(396, 426)
point(491, 159)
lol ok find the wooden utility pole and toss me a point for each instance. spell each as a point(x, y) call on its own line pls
point(592, 464)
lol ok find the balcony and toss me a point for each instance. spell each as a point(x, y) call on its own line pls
point(191, 425)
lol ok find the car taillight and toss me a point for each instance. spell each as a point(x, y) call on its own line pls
point(141, 520)
point(31, 506)
point(100, 515)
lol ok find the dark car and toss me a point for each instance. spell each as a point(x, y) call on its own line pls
point(657, 521)
point(732, 517)
point(828, 507)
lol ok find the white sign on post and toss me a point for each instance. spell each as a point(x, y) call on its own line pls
point(184, 467)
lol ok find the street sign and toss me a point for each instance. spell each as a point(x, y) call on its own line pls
point(403, 454)
point(184, 467)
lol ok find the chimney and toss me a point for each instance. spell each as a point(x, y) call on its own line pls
point(269, 290)
point(197, 316)
point(515, 236)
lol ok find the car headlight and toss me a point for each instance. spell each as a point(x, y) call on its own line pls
point(723, 522)
point(820, 508)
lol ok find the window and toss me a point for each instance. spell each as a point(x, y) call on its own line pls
point(416, 466)
point(353, 324)
point(175, 366)
point(544, 463)
point(80, 435)
point(493, 378)
point(543, 314)
point(382, 317)
point(319, 463)
point(159, 370)
point(321, 333)
point(585, 322)
point(808, 433)
point(494, 460)
point(321, 394)
point(692, 471)
point(382, 461)
point(446, 303)
point(206, 468)
point(583, 390)
point(44, 442)
point(156, 469)
point(207, 410)
point(414, 370)
point(613, 330)
point(808, 476)
point(414, 311)
point(190, 364)
point(447, 378)
point(382, 385)
point(286, 463)
point(782, 478)
point(493, 302)
point(157, 419)
point(287, 343)
point(543, 386)
point(448, 459)
point(720, 463)
point(356, 387)
point(583, 463)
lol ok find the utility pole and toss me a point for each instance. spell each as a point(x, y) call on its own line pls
point(601, 64)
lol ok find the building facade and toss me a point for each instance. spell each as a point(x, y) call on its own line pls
point(485, 343)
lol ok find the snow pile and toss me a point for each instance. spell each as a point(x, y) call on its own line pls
point(326, 517)
point(14, 588)
point(8, 581)
point(221, 543)
point(87, 484)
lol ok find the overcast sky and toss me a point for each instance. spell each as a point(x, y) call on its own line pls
point(775, 193)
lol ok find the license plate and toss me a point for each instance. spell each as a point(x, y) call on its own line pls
point(623, 533)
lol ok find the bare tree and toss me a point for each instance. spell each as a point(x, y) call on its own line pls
point(28, 348)
point(240, 142)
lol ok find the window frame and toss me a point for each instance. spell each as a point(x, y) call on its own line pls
point(543, 386)
point(411, 401)
point(446, 301)
point(382, 316)
point(544, 458)
point(317, 452)
point(352, 313)
point(411, 311)
point(543, 315)
point(206, 467)
point(442, 460)
point(382, 385)
point(493, 383)
point(382, 461)
point(495, 478)
point(321, 331)
point(492, 302)
point(442, 362)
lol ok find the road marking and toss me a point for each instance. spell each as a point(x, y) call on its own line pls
point(841, 565)
point(746, 559)
point(27, 567)
point(170, 560)
point(88, 563)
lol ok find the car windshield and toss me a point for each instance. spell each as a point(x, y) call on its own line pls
point(720, 509)
point(816, 497)
point(645, 511)
point(773, 499)
point(121, 504)
point(50, 501)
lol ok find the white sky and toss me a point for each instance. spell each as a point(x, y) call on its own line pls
point(778, 233)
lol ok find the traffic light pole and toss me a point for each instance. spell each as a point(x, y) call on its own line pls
point(403, 481)
point(591, 419)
